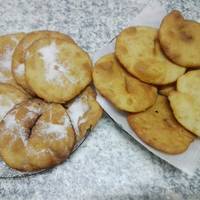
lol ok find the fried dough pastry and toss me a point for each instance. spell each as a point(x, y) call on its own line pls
point(36, 136)
point(180, 39)
point(8, 44)
point(84, 112)
point(9, 97)
point(57, 70)
point(120, 88)
point(18, 63)
point(185, 102)
point(138, 50)
point(189, 83)
point(158, 128)
point(186, 109)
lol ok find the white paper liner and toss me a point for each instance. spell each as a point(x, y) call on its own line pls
point(189, 160)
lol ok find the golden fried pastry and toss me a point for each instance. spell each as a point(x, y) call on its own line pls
point(189, 83)
point(120, 88)
point(185, 102)
point(36, 136)
point(138, 50)
point(84, 112)
point(8, 44)
point(57, 70)
point(158, 128)
point(186, 109)
point(9, 97)
point(18, 63)
point(166, 89)
point(180, 39)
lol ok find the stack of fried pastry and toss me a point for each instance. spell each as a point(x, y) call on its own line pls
point(47, 105)
point(154, 75)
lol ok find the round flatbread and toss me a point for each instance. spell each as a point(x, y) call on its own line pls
point(57, 70)
point(138, 50)
point(189, 83)
point(158, 128)
point(180, 39)
point(18, 63)
point(84, 112)
point(186, 109)
point(124, 91)
point(8, 44)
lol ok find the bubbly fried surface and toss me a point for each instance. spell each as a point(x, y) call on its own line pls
point(158, 128)
point(180, 39)
point(35, 136)
point(138, 50)
point(18, 63)
point(124, 91)
point(57, 70)
point(84, 112)
point(9, 97)
point(8, 44)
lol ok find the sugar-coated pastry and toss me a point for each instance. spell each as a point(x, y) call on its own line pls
point(35, 136)
point(57, 70)
point(18, 63)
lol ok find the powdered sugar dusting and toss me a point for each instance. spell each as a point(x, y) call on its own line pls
point(5, 76)
point(14, 39)
point(15, 127)
point(57, 130)
point(20, 70)
point(55, 72)
point(76, 111)
point(6, 58)
point(35, 109)
point(6, 105)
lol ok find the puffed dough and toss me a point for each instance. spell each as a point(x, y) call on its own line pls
point(8, 44)
point(18, 63)
point(138, 50)
point(36, 136)
point(180, 39)
point(57, 70)
point(158, 128)
point(84, 112)
point(124, 91)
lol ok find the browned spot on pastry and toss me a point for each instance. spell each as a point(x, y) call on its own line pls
point(177, 14)
point(78, 54)
point(123, 49)
point(131, 30)
point(86, 65)
point(185, 36)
